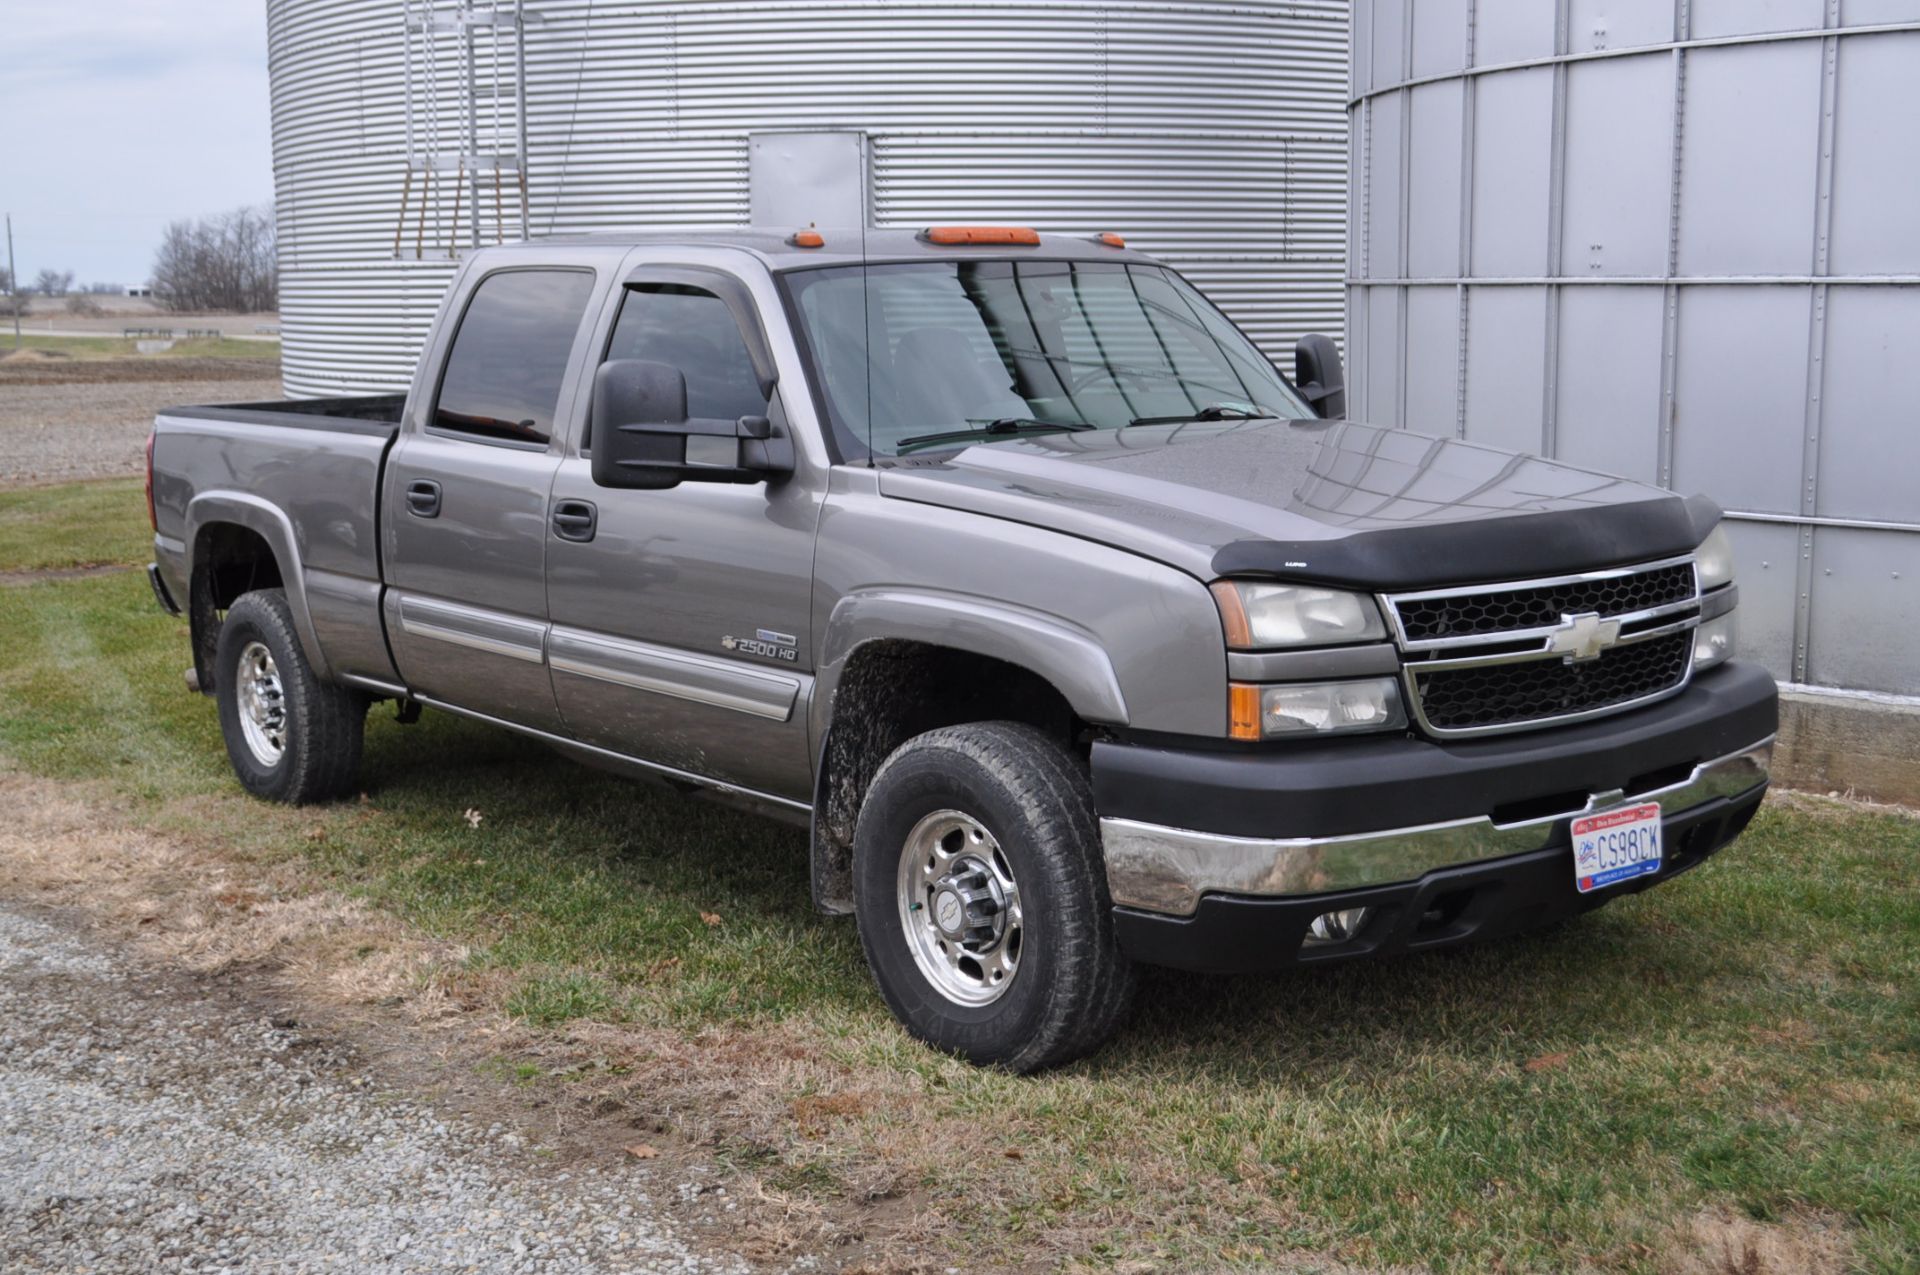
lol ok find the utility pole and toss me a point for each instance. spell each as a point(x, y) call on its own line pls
point(13, 283)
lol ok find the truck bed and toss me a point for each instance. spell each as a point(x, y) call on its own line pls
point(304, 475)
point(360, 413)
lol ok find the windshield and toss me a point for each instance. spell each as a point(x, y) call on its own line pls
point(1000, 348)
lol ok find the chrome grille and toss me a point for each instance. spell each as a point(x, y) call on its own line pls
point(1544, 690)
point(1486, 658)
point(1456, 615)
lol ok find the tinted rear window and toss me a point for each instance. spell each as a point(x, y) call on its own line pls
point(510, 354)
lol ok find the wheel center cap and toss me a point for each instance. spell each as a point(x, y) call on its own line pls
point(949, 913)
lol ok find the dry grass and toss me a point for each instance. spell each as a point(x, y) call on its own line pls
point(1721, 1242)
point(210, 911)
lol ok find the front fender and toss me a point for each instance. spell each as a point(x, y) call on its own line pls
point(272, 525)
point(1063, 653)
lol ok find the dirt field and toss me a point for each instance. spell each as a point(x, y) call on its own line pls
point(67, 419)
point(119, 313)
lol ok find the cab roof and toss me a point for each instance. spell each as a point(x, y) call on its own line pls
point(843, 245)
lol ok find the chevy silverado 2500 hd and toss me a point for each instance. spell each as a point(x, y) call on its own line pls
point(1077, 634)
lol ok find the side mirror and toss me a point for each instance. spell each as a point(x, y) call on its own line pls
point(641, 433)
point(1317, 375)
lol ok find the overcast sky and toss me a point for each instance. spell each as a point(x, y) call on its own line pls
point(122, 115)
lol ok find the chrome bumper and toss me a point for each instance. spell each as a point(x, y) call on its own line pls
point(1162, 869)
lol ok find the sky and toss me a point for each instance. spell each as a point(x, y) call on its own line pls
point(121, 116)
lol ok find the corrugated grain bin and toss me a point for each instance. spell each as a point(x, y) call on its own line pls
point(1212, 133)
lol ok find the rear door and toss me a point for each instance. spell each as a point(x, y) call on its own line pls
point(681, 617)
point(464, 515)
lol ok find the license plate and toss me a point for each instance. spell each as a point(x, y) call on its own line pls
point(1616, 845)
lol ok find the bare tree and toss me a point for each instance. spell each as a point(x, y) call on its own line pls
point(223, 262)
point(82, 304)
point(6, 281)
point(53, 283)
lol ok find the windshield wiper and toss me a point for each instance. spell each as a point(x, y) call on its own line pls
point(1211, 412)
point(1004, 426)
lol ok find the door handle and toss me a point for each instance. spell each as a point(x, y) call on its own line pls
point(575, 520)
point(423, 498)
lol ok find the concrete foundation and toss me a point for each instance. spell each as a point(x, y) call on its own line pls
point(1859, 746)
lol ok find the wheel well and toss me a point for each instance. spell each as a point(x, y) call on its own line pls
point(891, 691)
point(228, 560)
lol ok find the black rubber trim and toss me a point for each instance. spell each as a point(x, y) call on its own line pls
point(1513, 547)
point(160, 592)
point(283, 417)
point(1234, 934)
point(1364, 785)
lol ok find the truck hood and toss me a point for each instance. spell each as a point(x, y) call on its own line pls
point(1332, 502)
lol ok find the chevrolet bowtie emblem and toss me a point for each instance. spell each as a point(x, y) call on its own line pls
point(1583, 637)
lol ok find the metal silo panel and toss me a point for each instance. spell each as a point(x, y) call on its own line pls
point(1687, 256)
point(1433, 181)
point(1876, 161)
point(1866, 609)
point(1871, 458)
point(1594, 25)
point(1607, 411)
point(1742, 147)
point(1768, 554)
point(1212, 131)
point(1433, 352)
point(1619, 165)
point(1742, 395)
point(1505, 385)
point(1512, 147)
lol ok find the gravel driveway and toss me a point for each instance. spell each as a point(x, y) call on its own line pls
point(149, 1124)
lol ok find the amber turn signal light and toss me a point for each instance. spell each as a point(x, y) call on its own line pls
point(950, 235)
point(1233, 614)
point(1243, 711)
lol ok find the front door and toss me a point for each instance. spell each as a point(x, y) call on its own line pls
point(465, 506)
point(680, 617)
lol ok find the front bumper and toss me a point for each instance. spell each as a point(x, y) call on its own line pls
point(1230, 934)
point(1188, 837)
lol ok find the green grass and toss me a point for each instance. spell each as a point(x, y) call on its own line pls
point(77, 525)
point(1746, 1038)
point(115, 347)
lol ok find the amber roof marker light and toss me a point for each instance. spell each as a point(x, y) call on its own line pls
point(949, 236)
point(807, 239)
point(1110, 239)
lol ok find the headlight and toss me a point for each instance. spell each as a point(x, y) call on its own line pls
point(1715, 557)
point(1314, 708)
point(1256, 616)
point(1713, 642)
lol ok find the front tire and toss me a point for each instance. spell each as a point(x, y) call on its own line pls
point(290, 736)
point(982, 898)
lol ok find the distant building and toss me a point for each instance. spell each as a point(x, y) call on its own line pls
point(140, 290)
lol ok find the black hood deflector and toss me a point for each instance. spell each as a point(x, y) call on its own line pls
point(1516, 547)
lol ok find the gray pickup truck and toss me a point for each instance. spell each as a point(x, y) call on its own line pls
point(1077, 634)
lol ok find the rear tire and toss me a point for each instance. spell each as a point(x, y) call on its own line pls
point(982, 898)
point(290, 736)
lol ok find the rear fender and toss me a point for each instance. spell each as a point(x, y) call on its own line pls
point(273, 526)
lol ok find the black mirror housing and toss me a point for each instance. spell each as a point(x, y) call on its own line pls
point(640, 430)
point(1318, 376)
